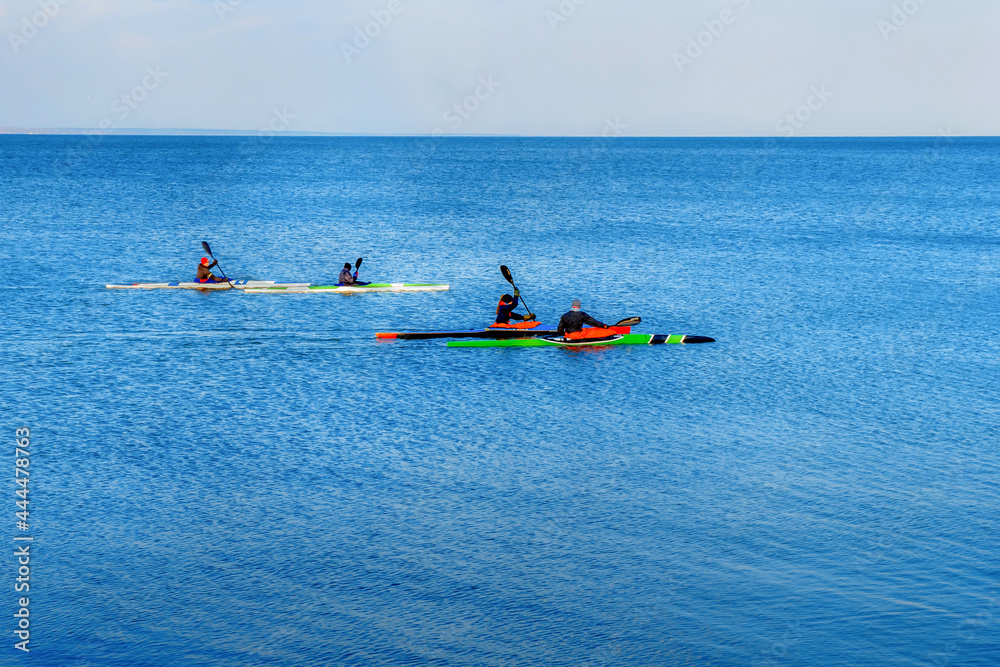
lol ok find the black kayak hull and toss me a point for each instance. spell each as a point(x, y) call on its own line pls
point(495, 334)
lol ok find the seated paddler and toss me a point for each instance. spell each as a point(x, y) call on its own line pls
point(573, 321)
point(205, 272)
point(505, 309)
point(346, 277)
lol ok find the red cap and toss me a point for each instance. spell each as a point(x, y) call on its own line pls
point(204, 260)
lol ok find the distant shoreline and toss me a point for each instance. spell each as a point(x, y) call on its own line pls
point(155, 132)
point(146, 132)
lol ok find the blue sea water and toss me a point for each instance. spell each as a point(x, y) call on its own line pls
point(237, 479)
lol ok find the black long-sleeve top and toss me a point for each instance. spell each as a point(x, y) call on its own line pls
point(574, 320)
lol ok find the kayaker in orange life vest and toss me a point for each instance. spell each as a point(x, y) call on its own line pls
point(505, 309)
point(205, 272)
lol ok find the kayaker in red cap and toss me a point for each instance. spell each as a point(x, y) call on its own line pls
point(205, 272)
point(574, 320)
point(505, 309)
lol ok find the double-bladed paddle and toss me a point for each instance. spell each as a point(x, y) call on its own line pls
point(506, 275)
point(628, 322)
point(208, 249)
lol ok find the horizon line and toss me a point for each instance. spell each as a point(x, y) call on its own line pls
point(70, 131)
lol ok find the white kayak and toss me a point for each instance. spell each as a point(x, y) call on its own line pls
point(236, 284)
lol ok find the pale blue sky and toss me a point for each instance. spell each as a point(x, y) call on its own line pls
point(866, 67)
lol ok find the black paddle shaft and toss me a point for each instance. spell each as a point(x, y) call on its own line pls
point(506, 275)
point(208, 249)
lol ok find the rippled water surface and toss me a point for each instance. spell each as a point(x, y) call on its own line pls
point(237, 479)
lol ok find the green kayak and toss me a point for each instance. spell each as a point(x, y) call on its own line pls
point(350, 289)
point(552, 341)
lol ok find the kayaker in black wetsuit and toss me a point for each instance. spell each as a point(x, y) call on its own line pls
point(205, 272)
point(505, 309)
point(574, 320)
point(346, 277)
